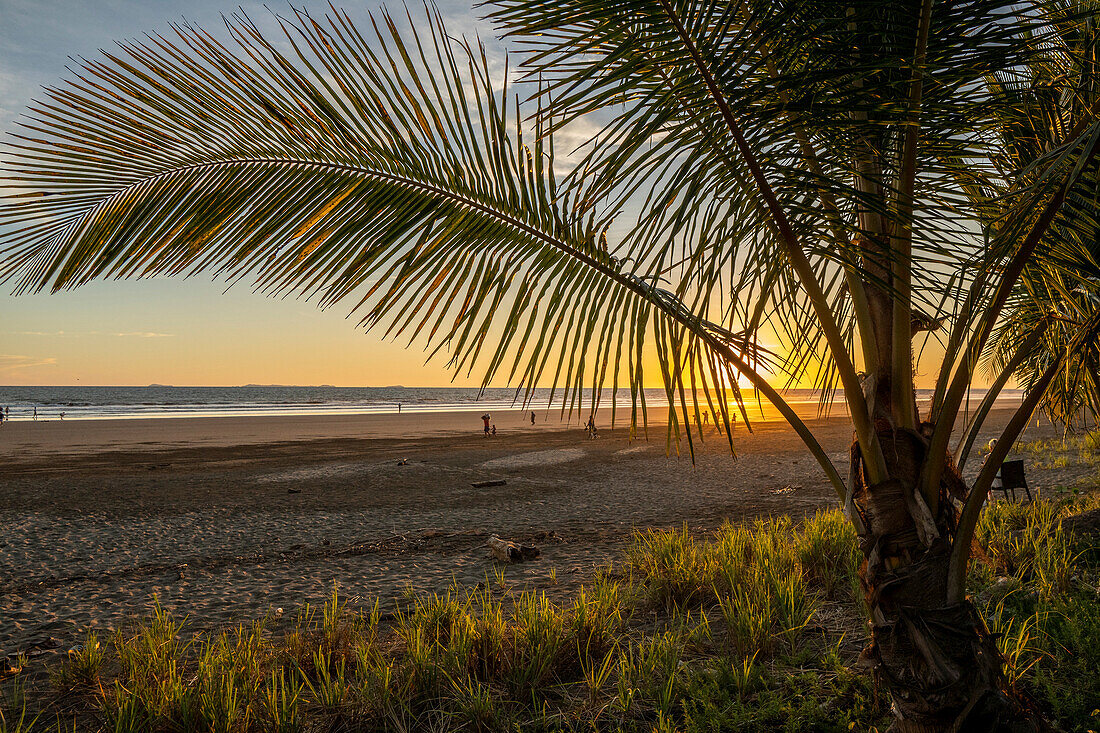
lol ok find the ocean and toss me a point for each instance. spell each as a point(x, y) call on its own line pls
point(98, 403)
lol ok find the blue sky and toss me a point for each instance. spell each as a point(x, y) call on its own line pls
point(174, 331)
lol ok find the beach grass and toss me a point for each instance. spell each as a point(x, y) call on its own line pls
point(1082, 449)
point(757, 626)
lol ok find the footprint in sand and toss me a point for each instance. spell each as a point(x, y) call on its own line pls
point(537, 458)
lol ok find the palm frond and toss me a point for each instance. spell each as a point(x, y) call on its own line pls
point(350, 168)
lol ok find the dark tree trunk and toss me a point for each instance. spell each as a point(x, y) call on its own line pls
point(938, 663)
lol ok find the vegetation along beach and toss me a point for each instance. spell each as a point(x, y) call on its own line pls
point(772, 337)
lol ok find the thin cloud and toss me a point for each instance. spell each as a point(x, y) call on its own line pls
point(13, 362)
point(144, 334)
point(75, 334)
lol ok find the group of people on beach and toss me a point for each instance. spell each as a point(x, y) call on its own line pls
point(707, 415)
point(491, 429)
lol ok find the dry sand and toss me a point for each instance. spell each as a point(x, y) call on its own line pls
point(225, 519)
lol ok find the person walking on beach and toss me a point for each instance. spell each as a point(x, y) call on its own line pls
point(34, 416)
point(61, 415)
point(532, 417)
point(494, 431)
point(485, 419)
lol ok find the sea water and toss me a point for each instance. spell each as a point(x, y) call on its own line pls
point(93, 403)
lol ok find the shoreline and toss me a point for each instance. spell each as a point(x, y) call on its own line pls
point(26, 439)
point(21, 441)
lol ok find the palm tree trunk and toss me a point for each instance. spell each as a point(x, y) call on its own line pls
point(937, 661)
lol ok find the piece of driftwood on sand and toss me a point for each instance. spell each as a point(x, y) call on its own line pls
point(510, 552)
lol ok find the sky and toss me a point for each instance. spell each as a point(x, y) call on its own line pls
point(175, 331)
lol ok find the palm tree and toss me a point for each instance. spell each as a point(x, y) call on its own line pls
point(833, 171)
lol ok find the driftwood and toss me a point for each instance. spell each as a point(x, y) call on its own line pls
point(484, 484)
point(510, 552)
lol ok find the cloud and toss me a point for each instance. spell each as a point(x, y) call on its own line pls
point(12, 362)
point(74, 334)
point(143, 334)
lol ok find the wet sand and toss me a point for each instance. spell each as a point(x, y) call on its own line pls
point(226, 519)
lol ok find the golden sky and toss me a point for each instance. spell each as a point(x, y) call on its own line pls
point(192, 332)
point(186, 332)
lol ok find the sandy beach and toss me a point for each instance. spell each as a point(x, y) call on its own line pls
point(226, 519)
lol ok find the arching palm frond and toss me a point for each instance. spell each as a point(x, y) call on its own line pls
point(338, 167)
